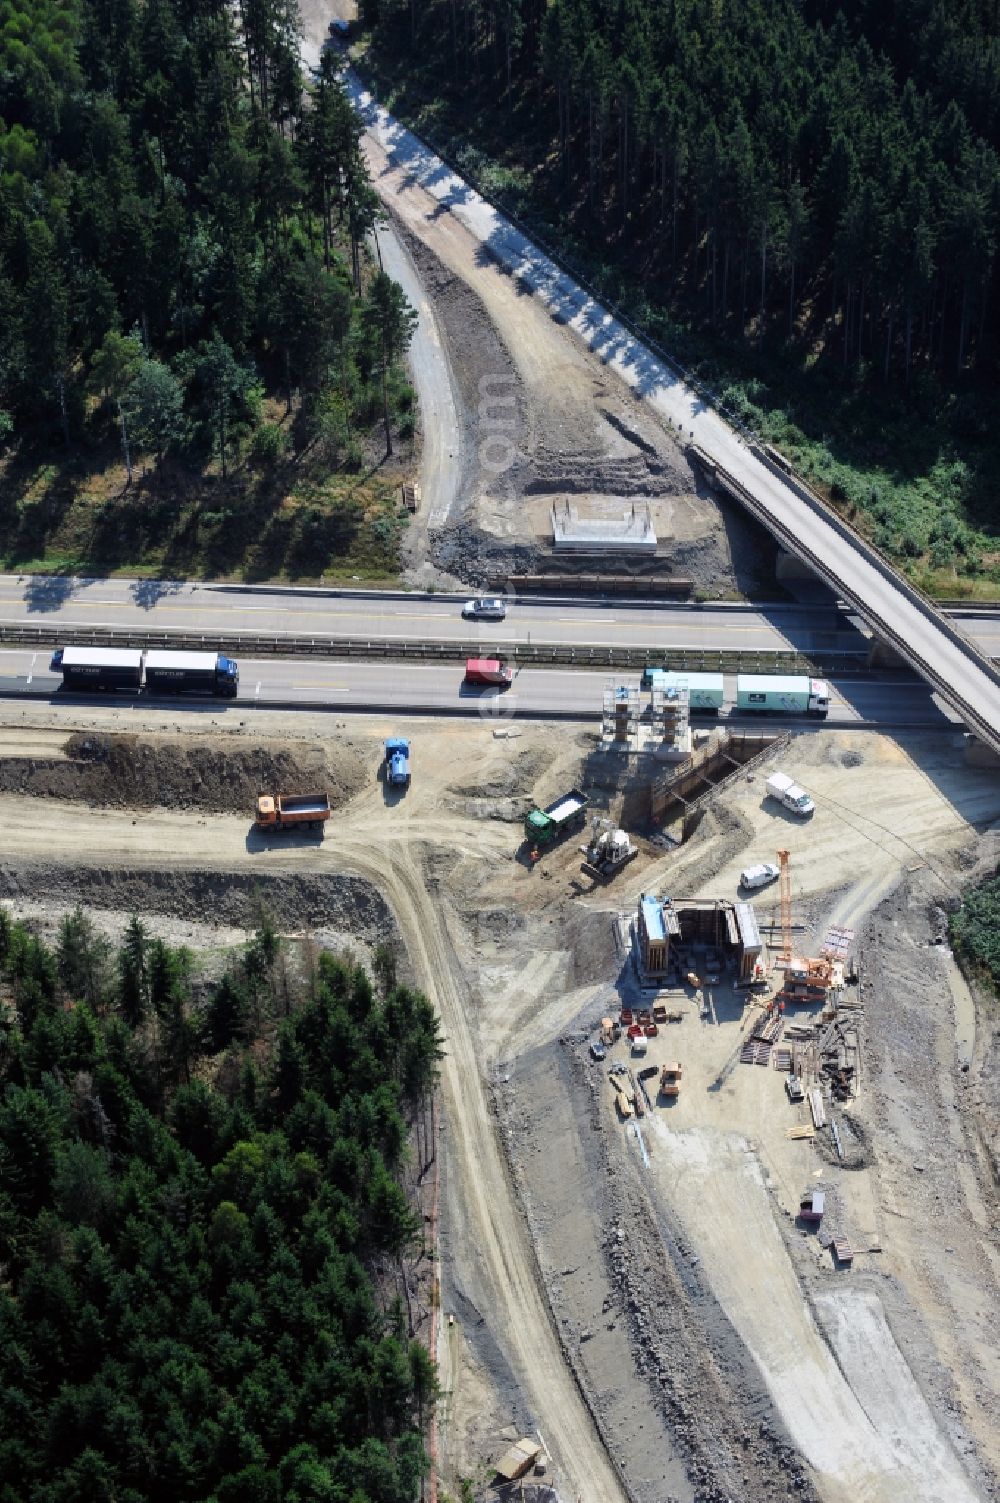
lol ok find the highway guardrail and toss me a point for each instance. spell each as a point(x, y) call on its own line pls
point(523, 654)
point(721, 478)
point(759, 447)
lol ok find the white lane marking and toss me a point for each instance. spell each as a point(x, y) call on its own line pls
point(243, 610)
point(331, 617)
point(361, 667)
point(31, 670)
point(256, 692)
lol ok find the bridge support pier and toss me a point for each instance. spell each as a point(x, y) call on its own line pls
point(789, 568)
point(978, 754)
point(882, 655)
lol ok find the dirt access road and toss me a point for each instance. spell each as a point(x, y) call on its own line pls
point(517, 416)
point(545, 1333)
point(383, 840)
point(886, 1376)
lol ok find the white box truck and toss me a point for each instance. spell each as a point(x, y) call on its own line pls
point(705, 690)
point(789, 794)
point(782, 693)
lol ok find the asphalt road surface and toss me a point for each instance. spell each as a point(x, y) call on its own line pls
point(892, 702)
point(441, 459)
point(164, 605)
point(954, 667)
point(64, 603)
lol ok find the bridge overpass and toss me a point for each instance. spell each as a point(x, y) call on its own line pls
point(894, 610)
point(923, 636)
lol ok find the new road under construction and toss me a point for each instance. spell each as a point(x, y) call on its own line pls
point(710, 1202)
point(601, 1309)
point(738, 466)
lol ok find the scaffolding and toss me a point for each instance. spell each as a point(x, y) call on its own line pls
point(620, 720)
point(670, 718)
point(660, 726)
point(671, 710)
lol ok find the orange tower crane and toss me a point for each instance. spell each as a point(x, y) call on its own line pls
point(785, 891)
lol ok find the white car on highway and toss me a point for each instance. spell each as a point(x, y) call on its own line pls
point(486, 608)
point(759, 875)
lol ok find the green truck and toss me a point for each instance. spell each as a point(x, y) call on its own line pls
point(543, 827)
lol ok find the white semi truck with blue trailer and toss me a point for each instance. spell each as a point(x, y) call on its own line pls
point(158, 671)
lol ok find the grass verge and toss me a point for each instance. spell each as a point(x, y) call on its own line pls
point(300, 521)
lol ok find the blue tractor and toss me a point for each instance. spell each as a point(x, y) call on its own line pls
point(397, 762)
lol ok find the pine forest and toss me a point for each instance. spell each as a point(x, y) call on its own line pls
point(800, 198)
point(185, 292)
point(200, 1195)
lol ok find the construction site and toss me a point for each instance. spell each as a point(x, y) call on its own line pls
point(716, 1208)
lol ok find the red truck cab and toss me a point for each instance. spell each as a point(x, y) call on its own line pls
point(488, 671)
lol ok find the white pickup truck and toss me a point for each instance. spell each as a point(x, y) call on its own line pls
point(788, 793)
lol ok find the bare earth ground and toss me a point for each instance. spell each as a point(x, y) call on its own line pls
point(541, 420)
point(663, 1324)
point(544, 424)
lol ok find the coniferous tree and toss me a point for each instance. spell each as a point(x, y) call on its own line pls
point(133, 973)
point(389, 322)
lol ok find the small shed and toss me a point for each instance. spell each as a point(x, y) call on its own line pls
point(519, 1459)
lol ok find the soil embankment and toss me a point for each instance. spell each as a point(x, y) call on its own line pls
point(619, 1306)
point(211, 773)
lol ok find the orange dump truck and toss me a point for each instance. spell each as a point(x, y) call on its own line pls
point(282, 811)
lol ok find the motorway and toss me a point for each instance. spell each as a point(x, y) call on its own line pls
point(892, 702)
point(64, 603)
point(928, 642)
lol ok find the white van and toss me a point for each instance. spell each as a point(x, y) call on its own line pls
point(789, 794)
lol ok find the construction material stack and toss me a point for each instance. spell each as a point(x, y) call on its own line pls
point(764, 1035)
